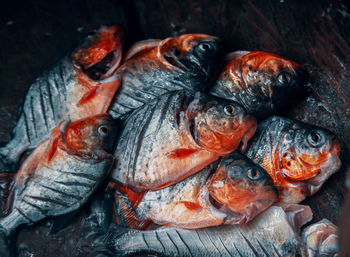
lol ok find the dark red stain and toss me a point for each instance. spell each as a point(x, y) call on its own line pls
point(134, 197)
point(191, 205)
point(88, 96)
point(181, 153)
point(52, 149)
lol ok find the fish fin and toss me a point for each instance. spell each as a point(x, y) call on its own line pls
point(191, 205)
point(61, 222)
point(100, 209)
point(6, 192)
point(88, 96)
point(140, 48)
point(181, 153)
point(6, 244)
point(6, 166)
point(236, 54)
point(126, 215)
point(134, 197)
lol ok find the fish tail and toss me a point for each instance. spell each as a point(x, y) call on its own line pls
point(6, 182)
point(10, 155)
point(6, 163)
point(9, 224)
point(5, 244)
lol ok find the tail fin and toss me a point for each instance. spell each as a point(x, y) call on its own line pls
point(6, 249)
point(6, 182)
point(6, 165)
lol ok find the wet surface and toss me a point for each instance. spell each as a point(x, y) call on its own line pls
point(35, 34)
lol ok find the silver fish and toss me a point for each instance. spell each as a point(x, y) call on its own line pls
point(272, 233)
point(62, 173)
point(155, 67)
point(79, 85)
point(177, 135)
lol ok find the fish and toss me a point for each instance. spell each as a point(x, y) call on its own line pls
point(270, 234)
point(299, 157)
point(81, 84)
point(152, 68)
point(232, 191)
point(176, 135)
point(259, 81)
point(60, 175)
point(321, 239)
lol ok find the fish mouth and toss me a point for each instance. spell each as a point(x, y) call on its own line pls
point(105, 68)
point(101, 53)
point(191, 65)
point(233, 217)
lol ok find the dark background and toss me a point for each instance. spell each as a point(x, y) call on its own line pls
point(35, 34)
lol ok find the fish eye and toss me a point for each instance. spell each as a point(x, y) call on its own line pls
point(315, 138)
point(205, 47)
point(284, 78)
point(229, 110)
point(103, 130)
point(253, 174)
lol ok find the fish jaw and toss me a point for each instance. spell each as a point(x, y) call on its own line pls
point(106, 42)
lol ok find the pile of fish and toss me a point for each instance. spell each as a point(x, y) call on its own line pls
point(181, 134)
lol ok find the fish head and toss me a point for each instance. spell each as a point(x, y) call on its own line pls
point(308, 151)
point(268, 80)
point(221, 126)
point(196, 54)
point(241, 188)
point(101, 53)
point(308, 155)
point(92, 137)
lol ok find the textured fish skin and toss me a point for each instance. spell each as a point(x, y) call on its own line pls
point(175, 136)
point(153, 68)
point(74, 88)
point(187, 204)
point(299, 157)
point(261, 82)
point(270, 234)
point(62, 178)
point(321, 239)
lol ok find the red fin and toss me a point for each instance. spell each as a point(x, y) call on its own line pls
point(88, 96)
point(191, 205)
point(6, 182)
point(181, 153)
point(134, 197)
point(52, 150)
point(126, 215)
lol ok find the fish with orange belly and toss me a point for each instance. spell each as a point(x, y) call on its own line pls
point(231, 191)
point(62, 173)
point(81, 84)
point(152, 68)
point(175, 136)
point(299, 157)
point(261, 82)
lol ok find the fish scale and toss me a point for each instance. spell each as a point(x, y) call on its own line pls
point(65, 92)
point(147, 73)
point(171, 137)
point(270, 234)
point(48, 185)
